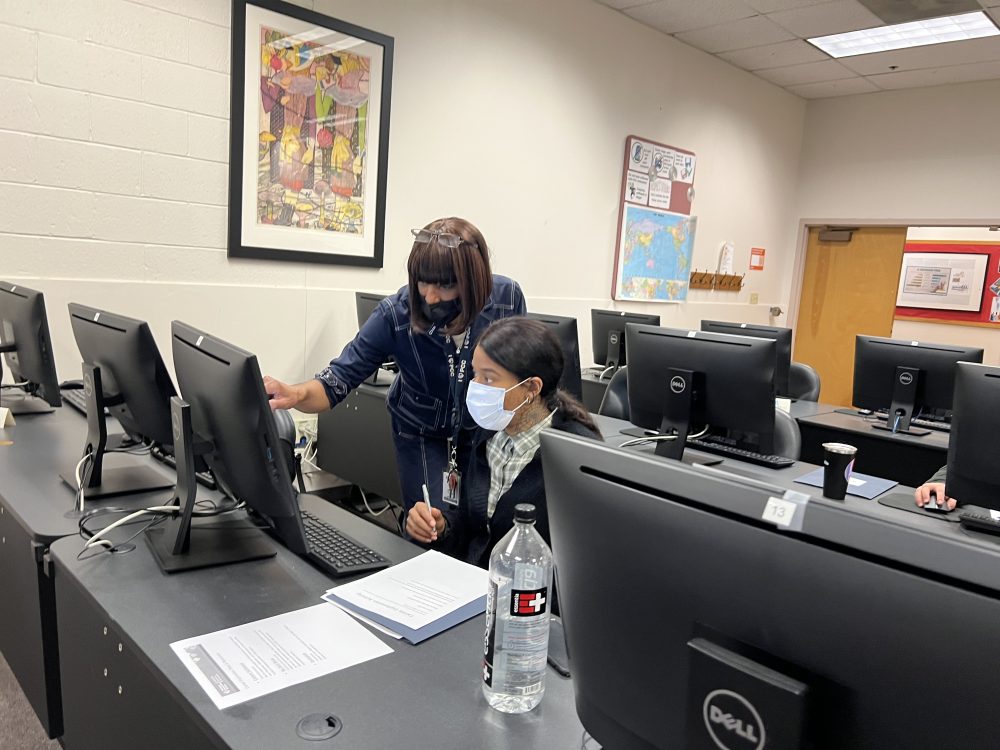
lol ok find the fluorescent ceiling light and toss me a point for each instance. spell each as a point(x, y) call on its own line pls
point(902, 35)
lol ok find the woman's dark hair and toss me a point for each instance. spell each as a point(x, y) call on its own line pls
point(467, 266)
point(528, 349)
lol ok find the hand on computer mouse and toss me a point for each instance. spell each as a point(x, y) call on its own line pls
point(932, 496)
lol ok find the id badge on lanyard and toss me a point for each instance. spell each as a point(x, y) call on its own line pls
point(451, 480)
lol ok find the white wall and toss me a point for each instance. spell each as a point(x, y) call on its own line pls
point(987, 338)
point(918, 156)
point(513, 114)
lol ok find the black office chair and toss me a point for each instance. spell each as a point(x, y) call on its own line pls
point(615, 401)
point(285, 426)
point(787, 438)
point(803, 382)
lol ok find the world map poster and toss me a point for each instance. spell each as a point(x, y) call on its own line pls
point(654, 262)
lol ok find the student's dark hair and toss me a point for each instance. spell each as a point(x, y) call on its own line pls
point(528, 349)
point(467, 266)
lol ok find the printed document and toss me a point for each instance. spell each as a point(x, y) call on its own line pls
point(247, 661)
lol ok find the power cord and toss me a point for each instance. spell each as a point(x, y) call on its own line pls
point(660, 438)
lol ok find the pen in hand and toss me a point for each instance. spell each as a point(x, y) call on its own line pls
point(430, 511)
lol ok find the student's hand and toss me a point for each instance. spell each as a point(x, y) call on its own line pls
point(282, 395)
point(425, 525)
point(923, 495)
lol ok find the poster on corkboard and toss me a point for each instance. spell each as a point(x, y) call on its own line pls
point(950, 282)
point(655, 229)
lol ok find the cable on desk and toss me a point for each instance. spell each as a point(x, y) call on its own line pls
point(78, 497)
point(660, 438)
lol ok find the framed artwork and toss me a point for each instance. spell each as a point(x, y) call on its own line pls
point(309, 135)
point(942, 281)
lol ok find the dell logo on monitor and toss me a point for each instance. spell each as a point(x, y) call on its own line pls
point(905, 378)
point(678, 384)
point(732, 721)
point(613, 337)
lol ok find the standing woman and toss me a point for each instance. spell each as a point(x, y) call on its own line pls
point(430, 328)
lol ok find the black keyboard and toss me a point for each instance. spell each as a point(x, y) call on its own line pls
point(709, 445)
point(979, 522)
point(928, 424)
point(336, 552)
point(204, 478)
point(76, 398)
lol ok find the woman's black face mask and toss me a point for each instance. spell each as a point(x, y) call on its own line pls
point(441, 313)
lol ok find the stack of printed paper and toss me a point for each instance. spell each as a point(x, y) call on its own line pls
point(417, 598)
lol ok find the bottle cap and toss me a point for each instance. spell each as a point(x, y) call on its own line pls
point(524, 512)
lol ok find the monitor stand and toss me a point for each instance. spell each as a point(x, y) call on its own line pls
point(97, 481)
point(225, 542)
point(616, 351)
point(24, 403)
point(904, 397)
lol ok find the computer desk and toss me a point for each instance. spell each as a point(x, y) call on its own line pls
point(33, 506)
point(905, 459)
point(119, 613)
point(594, 387)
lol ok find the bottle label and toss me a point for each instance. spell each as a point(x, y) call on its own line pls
point(529, 603)
point(491, 633)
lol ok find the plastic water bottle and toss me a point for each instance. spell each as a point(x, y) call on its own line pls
point(517, 617)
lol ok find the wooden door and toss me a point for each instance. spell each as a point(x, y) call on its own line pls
point(848, 288)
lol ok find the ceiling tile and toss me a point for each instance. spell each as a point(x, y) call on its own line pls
point(794, 52)
point(994, 13)
point(770, 6)
point(937, 76)
point(622, 4)
point(671, 16)
point(931, 56)
point(793, 75)
point(904, 11)
point(844, 87)
point(747, 32)
point(827, 18)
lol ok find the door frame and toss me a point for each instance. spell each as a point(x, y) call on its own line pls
point(802, 245)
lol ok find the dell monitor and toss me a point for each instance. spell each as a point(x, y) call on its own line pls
point(783, 345)
point(973, 476)
point(607, 329)
point(906, 377)
point(693, 623)
point(27, 348)
point(565, 330)
point(123, 371)
point(678, 380)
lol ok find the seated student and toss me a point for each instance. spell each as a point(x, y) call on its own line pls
point(513, 397)
point(936, 485)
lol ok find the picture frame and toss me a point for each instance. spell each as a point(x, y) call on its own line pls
point(309, 135)
point(942, 281)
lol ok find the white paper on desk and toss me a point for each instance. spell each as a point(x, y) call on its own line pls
point(247, 661)
point(417, 592)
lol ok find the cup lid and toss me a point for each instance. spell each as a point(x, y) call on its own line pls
point(840, 448)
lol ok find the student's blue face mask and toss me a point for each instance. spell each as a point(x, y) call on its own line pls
point(485, 404)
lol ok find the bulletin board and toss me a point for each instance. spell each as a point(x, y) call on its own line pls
point(655, 238)
point(923, 275)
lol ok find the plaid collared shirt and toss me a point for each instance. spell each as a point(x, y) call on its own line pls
point(508, 455)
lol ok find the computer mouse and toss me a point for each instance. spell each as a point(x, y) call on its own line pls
point(934, 507)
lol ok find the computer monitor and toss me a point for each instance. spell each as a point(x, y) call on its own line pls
point(27, 348)
point(693, 623)
point(973, 476)
point(124, 372)
point(783, 345)
point(607, 329)
point(232, 427)
point(678, 380)
point(565, 330)
point(906, 377)
point(366, 302)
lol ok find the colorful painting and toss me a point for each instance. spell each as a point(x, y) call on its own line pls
point(313, 134)
point(309, 136)
point(655, 255)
